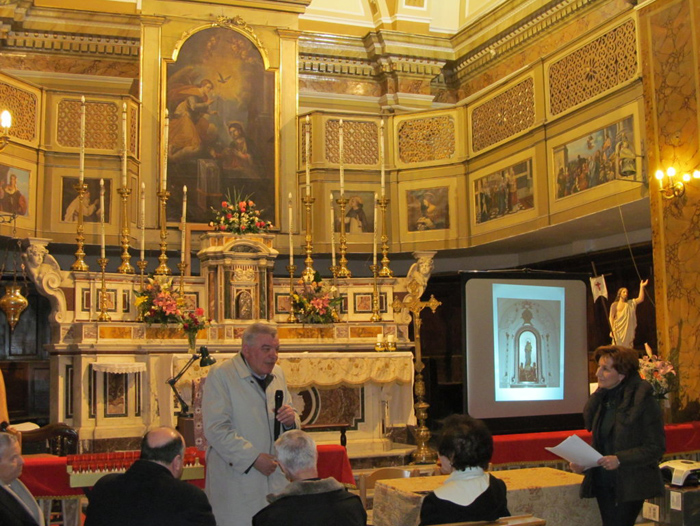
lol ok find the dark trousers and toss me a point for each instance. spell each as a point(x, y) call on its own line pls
point(617, 514)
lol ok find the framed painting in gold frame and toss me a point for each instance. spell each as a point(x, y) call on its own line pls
point(428, 209)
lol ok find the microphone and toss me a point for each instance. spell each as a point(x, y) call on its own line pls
point(279, 396)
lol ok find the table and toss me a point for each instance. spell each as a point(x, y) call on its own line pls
point(546, 493)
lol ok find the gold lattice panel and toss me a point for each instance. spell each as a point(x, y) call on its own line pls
point(23, 106)
point(360, 142)
point(503, 116)
point(303, 129)
point(595, 68)
point(102, 122)
point(133, 131)
point(426, 139)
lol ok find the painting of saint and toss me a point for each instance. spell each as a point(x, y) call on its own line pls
point(14, 189)
point(91, 200)
point(596, 158)
point(221, 136)
point(359, 212)
point(504, 192)
point(428, 209)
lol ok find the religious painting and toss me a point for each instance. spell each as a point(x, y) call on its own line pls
point(595, 158)
point(115, 394)
point(359, 212)
point(221, 136)
point(14, 190)
point(428, 209)
point(364, 302)
point(504, 192)
point(281, 303)
point(91, 200)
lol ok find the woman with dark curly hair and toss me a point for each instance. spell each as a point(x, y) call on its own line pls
point(465, 447)
point(628, 430)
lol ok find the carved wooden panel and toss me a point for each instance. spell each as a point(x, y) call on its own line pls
point(24, 107)
point(102, 124)
point(426, 139)
point(360, 142)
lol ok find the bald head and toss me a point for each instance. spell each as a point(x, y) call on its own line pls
point(165, 446)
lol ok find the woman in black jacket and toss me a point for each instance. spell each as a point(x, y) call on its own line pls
point(628, 430)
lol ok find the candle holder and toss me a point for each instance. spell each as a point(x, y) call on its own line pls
point(292, 317)
point(376, 315)
point(308, 273)
point(125, 267)
point(163, 268)
point(79, 265)
point(182, 266)
point(142, 264)
point(385, 271)
point(343, 270)
point(102, 262)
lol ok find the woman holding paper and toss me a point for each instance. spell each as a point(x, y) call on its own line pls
point(628, 430)
point(469, 494)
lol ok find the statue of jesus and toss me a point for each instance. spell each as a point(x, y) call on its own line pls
point(623, 316)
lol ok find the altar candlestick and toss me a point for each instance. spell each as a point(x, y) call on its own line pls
point(102, 218)
point(381, 156)
point(308, 173)
point(340, 154)
point(291, 241)
point(376, 221)
point(142, 214)
point(166, 126)
point(82, 140)
point(332, 231)
point(124, 145)
point(184, 223)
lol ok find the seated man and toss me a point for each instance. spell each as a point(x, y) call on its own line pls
point(17, 506)
point(150, 491)
point(308, 500)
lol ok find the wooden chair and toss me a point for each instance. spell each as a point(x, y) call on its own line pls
point(366, 482)
point(56, 439)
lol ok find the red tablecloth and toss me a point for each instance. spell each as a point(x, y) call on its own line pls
point(529, 447)
point(46, 475)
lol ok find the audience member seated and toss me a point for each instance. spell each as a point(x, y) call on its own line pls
point(150, 491)
point(308, 500)
point(465, 447)
point(17, 506)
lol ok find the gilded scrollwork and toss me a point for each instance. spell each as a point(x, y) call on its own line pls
point(427, 139)
point(360, 142)
point(503, 116)
point(101, 124)
point(595, 68)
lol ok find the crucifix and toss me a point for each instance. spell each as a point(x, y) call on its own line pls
point(423, 454)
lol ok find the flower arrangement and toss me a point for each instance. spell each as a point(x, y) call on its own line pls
point(157, 303)
point(192, 322)
point(659, 373)
point(239, 215)
point(315, 302)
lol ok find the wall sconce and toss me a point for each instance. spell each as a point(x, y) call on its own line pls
point(672, 187)
point(5, 124)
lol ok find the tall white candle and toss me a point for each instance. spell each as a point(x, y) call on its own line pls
point(332, 231)
point(381, 156)
point(102, 218)
point(184, 223)
point(82, 139)
point(166, 127)
point(340, 154)
point(374, 241)
point(308, 172)
point(124, 145)
point(142, 214)
point(291, 240)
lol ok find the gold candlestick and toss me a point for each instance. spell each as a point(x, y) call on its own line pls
point(182, 266)
point(343, 270)
point(125, 267)
point(79, 265)
point(102, 262)
point(308, 274)
point(163, 268)
point(291, 318)
point(142, 264)
point(376, 315)
point(385, 271)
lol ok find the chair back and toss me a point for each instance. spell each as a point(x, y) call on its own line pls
point(56, 439)
point(366, 482)
point(200, 441)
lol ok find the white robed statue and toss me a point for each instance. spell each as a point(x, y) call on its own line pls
point(623, 316)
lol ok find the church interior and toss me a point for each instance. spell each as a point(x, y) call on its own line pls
point(383, 149)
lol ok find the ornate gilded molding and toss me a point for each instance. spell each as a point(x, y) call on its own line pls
point(599, 66)
point(504, 115)
point(238, 24)
point(83, 44)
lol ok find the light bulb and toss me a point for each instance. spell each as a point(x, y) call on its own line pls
point(671, 171)
point(659, 174)
point(5, 119)
point(686, 177)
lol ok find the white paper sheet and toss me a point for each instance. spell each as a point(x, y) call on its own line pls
point(575, 450)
